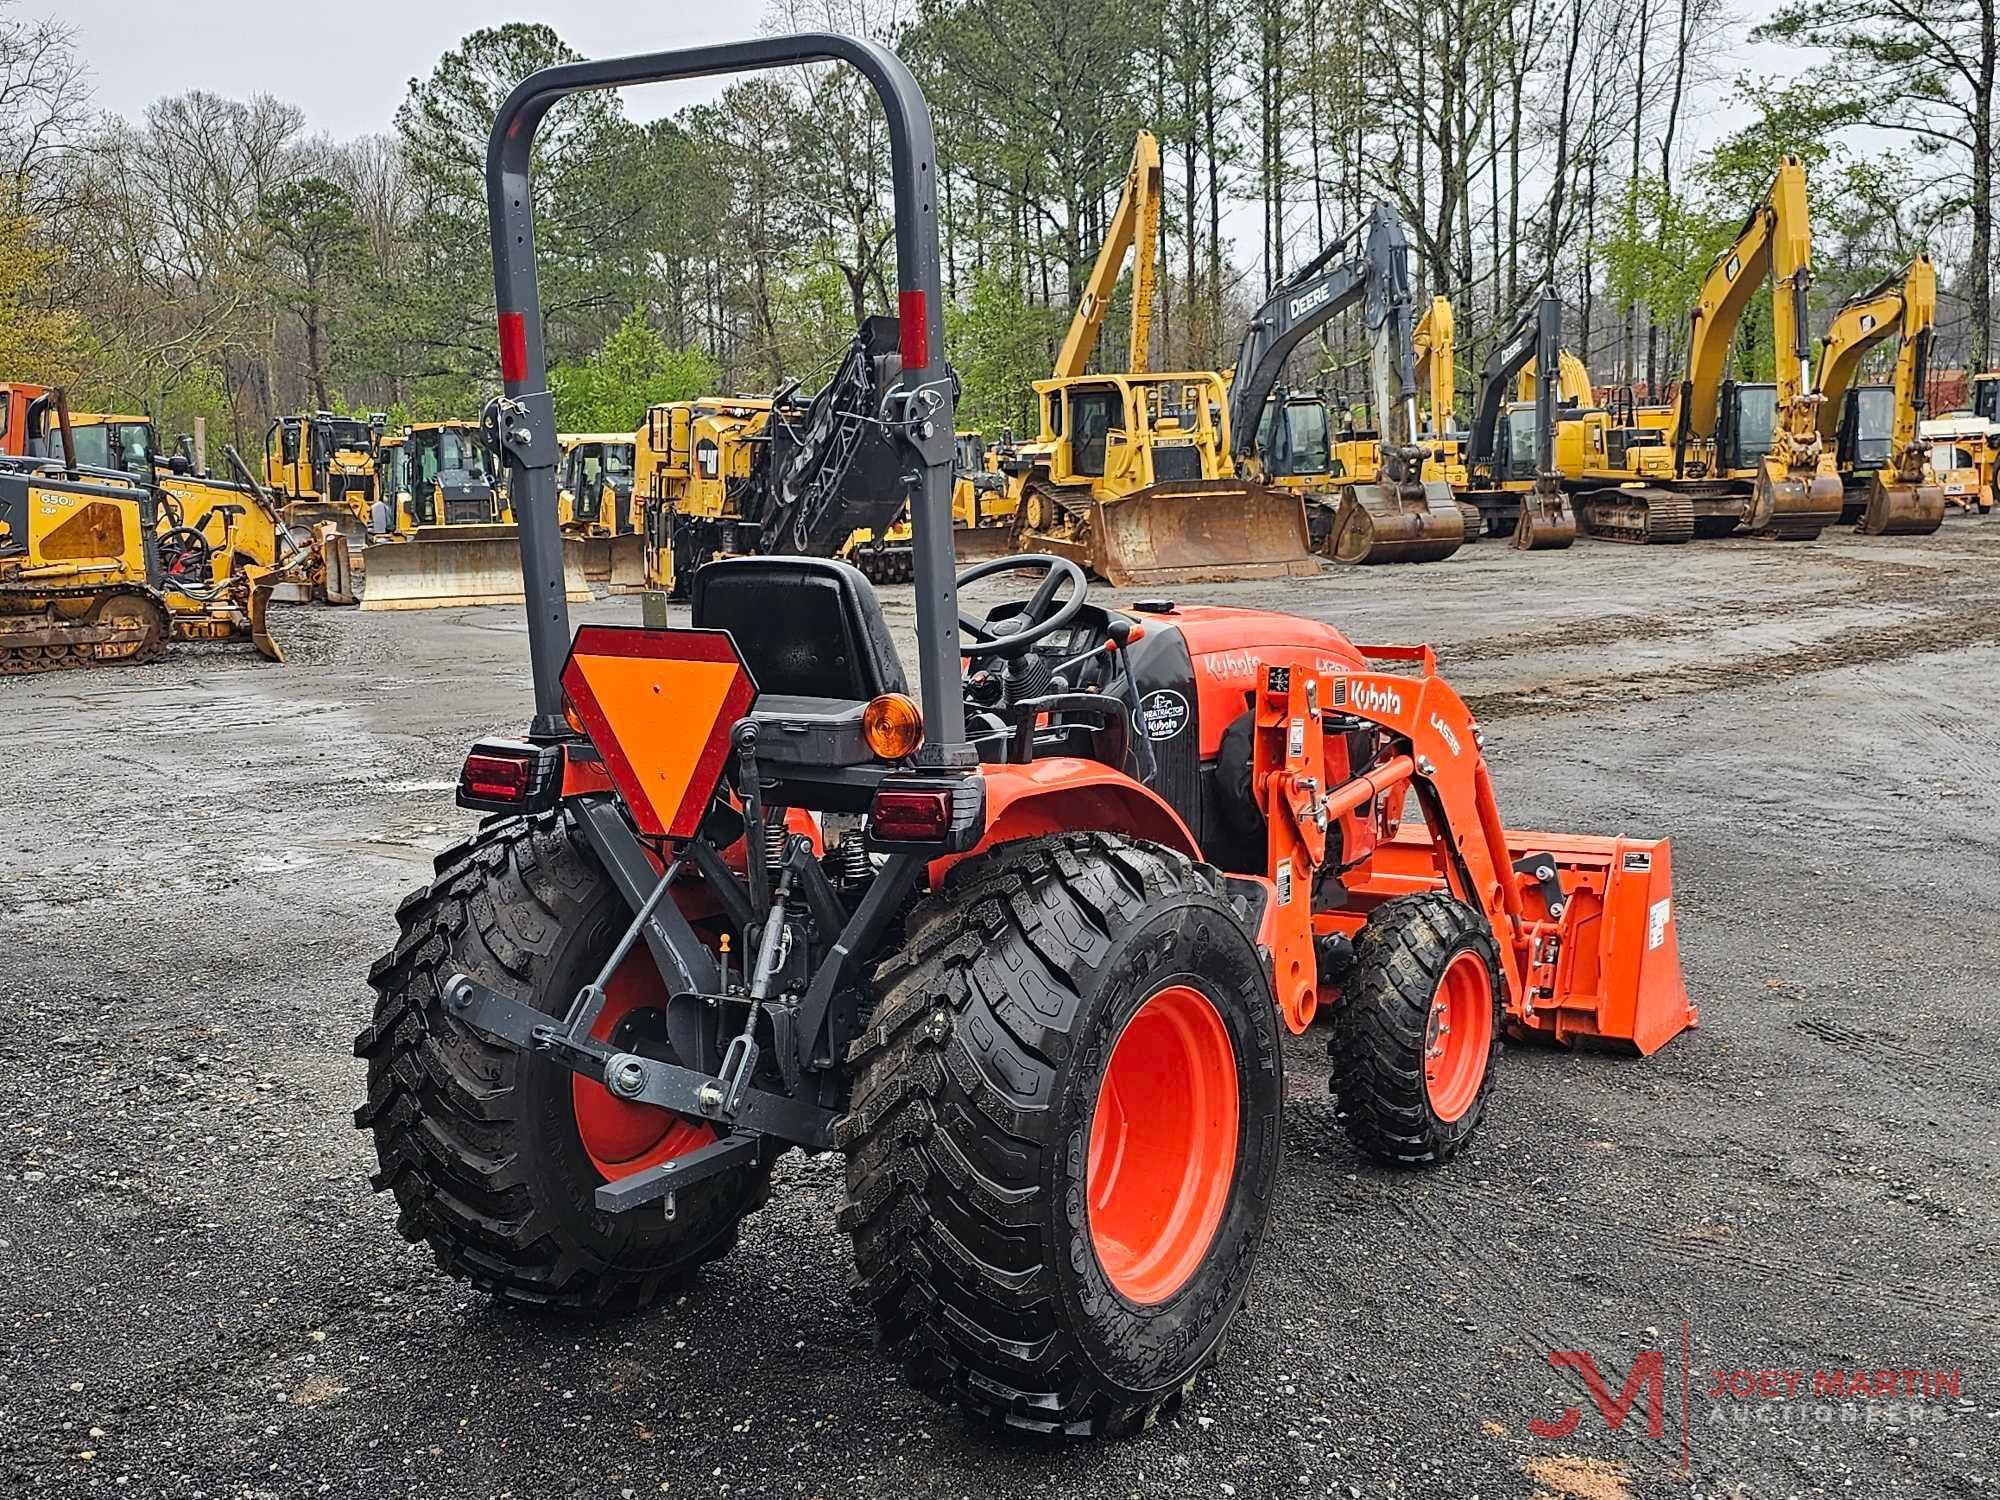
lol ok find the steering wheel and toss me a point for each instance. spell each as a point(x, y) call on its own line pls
point(184, 552)
point(1043, 615)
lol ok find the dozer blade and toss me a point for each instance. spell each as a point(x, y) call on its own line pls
point(972, 544)
point(628, 563)
point(1901, 509)
point(336, 567)
point(1790, 506)
point(1546, 521)
point(1200, 531)
point(442, 567)
point(590, 555)
point(1408, 523)
point(258, 607)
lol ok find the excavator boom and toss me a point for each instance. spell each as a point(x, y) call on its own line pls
point(1903, 496)
point(1135, 226)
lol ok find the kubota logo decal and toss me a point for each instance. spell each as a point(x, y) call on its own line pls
point(1162, 714)
point(1371, 699)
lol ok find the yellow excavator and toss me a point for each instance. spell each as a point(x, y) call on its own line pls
point(1387, 506)
point(1872, 429)
point(1132, 474)
point(1510, 452)
point(85, 581)
point(1726, 455)
point(594, 506)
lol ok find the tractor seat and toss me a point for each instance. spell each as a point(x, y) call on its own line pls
point(811, 632)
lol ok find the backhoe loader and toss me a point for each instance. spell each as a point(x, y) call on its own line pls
point(1133, 474)
point(321, 469)
point(596, 511)
point(1725, 455)
point(1386, 510)
point(1510, 454)
point(1022, 939)
point(88, 577)
point(1872, 429)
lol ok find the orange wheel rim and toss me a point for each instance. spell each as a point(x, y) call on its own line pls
point(1458, 1037)
point(1162, 1145)
point(619, 1136)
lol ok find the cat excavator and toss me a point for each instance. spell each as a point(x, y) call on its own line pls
point(1725, 455)
point(1395, 513)
point(1872, 429)
point(1510, 454)
point(1133, 474)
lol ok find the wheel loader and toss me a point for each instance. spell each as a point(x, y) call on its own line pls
point(1872, 429)
point(1019, 938)
point(1725, 456)
point(1133, 474)
point(1390, 499)
point(89, 577)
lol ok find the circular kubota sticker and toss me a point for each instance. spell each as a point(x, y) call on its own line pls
point(1162, 714)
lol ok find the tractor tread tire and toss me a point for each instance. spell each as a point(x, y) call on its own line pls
point(1376, 1050)
point(461, 1129)
point(950, 1179)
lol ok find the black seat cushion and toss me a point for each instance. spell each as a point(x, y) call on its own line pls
point(807, 627)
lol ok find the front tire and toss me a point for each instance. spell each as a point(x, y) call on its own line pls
point(494, 1157)
point(1065, 1134)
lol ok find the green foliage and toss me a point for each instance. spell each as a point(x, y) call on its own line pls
point(999, 344)
point(635, 369)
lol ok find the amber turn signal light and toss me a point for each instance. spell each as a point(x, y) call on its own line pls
point(892, 725)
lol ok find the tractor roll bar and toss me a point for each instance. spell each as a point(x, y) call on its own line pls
point(919, 410)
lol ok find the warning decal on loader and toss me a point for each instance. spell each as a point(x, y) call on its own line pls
point(1656, 921)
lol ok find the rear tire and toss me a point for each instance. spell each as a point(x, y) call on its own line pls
point(481, 1145)
point(1005, 1203)
point(1417, 1030)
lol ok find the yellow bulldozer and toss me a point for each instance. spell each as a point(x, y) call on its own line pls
point(320, 467)
point(594, 505)
point(89, 577)
point(1873, 429)
point(1133, 474)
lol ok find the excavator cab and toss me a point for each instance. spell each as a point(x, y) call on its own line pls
point(1867, 431)
point(1748, 429)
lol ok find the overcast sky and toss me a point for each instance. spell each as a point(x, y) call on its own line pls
point(346, 63)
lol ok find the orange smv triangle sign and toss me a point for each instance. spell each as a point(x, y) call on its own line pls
point(659, 705)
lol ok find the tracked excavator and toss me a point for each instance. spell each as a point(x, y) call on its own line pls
point(1394, 513)
point(85, 580)
point(1133, 474)
point(1725, 456)
point(1510, 454)
point(1872, 429)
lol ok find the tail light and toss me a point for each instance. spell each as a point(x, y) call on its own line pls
point(510, 776)
point(945, 815)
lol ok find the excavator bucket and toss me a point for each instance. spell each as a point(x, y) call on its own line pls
point(1792, 506)
point(1546, 523)
point(441, 567)
point(1199, 531)
point(1901, 509)
point(1410, 522)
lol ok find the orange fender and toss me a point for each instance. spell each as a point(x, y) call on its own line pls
point(1061, 794)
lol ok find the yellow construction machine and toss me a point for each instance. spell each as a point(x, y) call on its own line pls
point(1872, 428)
point(1133, 474)
point(1510, 453)
point(86, 581)
point(1386, 506)
point(983, 505)
point(321, 469)
point(594, 505)
point(1725, 455)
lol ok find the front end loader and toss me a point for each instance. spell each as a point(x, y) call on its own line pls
point(1020, 939)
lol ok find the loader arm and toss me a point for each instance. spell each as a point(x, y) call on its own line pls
point(1135, 226)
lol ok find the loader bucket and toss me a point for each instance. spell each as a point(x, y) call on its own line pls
point(1792, 506)
point(628, 564)
point(1200, 531)
point(1901, 509)
point(441, 567)
point(971, 544)
point(1389, 523)
point(591, 555)
point(1546, 521)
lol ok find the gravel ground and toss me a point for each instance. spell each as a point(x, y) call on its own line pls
point(201, 1297)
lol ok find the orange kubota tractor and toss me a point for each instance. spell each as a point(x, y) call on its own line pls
point(1024, 954)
